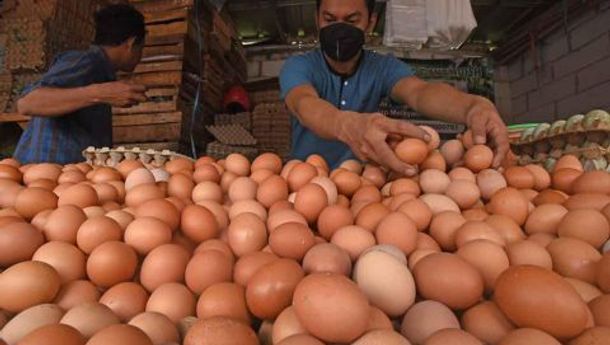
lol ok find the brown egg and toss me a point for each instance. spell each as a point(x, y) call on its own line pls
point(329, 187)
point(270, 289)
point(121, 217)
point(593, 336)
point(39, 279)
point(164, 264)
point(111, 263)
point(452, 151)
point(379, 275)
point(97, 230)
point(173, 300)
point(489, 182)
point(434, 160)
point(525, 336)
point(511, 203)
point(404, 185)
point(291, 240)
point(72, 176)
point(247, 233)
point(225, 300)
point(10, 173)
point(520, 177)
point(120, 334)
point(105, 174)
point(268, 160)
point(30, 320)
point(434, 181)
point(54, 335)
point(40, 219)
point(486, 322)
point(142, 193)
point(464, 193)
point(438, 203)
point(374, 174)
point(320, 300)
point(478, 157)
point(371, 215)
point(563, 179)
point(542, 179)
point(218, 245)
point(286, 325)
point(300, 175)
point(178, 164)
point(600, 307)
point(542, 239)
point(249, 264)
point(475, 214)
point(588, 225)
point(332, 218)
point(412, 151)
point(126, 300)
point(529, 194)
point(65, 258)
point(120, 187)
point(327, 257)
point(180, 186)
point(592, 182)
point(443, 228)
point(568, 162)
point(282, 217)
point(603, 273)
point(39, 171)
point(127, 166)
point(251, 206)
point(477, 230)
point(18, 242)
point(105, 193)
point(461, 173)
point(237, 164)
point(310, 200)
point(448, 279)
point(158, 327)
point(75, 293)
point(368, 194)
point(487, 257)
point(595, 201)
point(586, 291)
point(243, 188)
point(353, 239)
point(425, 318)
point(549, 196)
point(162, 210)
point(529, 253)
point(219, 330)
point(198, 223)
point(506, 227)
point(456, 336)
point(419, 211)
point(537, 306)
point(399, 230)
point(207, 191)
point(347, 182)
point(219, 212)
point(545, 218)
point(31, 201)
point(89, 318)
point(147, 233)
point(272, 190)
point(206, 172)
point(207, 268)
point(574, 258)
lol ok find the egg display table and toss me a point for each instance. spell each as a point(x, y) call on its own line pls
point(143, 247)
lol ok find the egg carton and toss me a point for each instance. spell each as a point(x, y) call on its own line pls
point(578, 131)
point(106, 156)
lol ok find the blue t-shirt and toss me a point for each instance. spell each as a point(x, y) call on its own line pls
point(61, 139)
point(362, 92)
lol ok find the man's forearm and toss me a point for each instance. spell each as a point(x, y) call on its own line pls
point(440, 101)
point(55, 101)
point(320, 116)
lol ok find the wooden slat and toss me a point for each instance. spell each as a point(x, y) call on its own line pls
point(158, 79)
point(154, 133)
point(146, 119)
point(164, 50)
point(159, 67)
point(164, 40)
point(165, 16)
point(161, 5)
point(4, 117)
point(169, 91)
point(176, 28)
point(148, 107)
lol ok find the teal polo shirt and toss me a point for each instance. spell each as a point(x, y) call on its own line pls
point(361, 92)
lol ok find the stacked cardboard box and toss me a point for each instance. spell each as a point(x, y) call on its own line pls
point(272, 129)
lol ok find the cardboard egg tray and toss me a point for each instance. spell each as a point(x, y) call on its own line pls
point(242, 119)
point(219, 150)
point(112, 157)
point(232, 135)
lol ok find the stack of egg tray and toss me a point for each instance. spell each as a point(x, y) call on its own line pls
point(584, 136)
point(111, 157)
point(242, 119)
point(272, 129)
point(219, 150)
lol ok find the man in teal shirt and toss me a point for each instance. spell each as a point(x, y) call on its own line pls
point(334, 93)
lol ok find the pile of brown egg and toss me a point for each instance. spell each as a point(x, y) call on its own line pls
point(239, 252)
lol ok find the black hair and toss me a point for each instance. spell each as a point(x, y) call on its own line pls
point(370, 4)
point(115, 24)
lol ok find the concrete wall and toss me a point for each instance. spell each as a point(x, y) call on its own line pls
point(569, 74)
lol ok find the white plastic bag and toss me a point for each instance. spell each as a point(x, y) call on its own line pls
point(406, 23)
point(449, 23)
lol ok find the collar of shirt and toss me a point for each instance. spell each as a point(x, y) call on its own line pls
point(105, 61)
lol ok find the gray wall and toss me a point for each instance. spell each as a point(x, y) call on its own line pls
point(571, 74)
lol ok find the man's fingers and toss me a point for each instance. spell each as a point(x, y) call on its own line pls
point(138, 97)
point(502, 144)
point(401, 128)
point(478, 125)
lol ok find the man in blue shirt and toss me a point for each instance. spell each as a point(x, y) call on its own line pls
point(71, 105)
point(334, 93)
